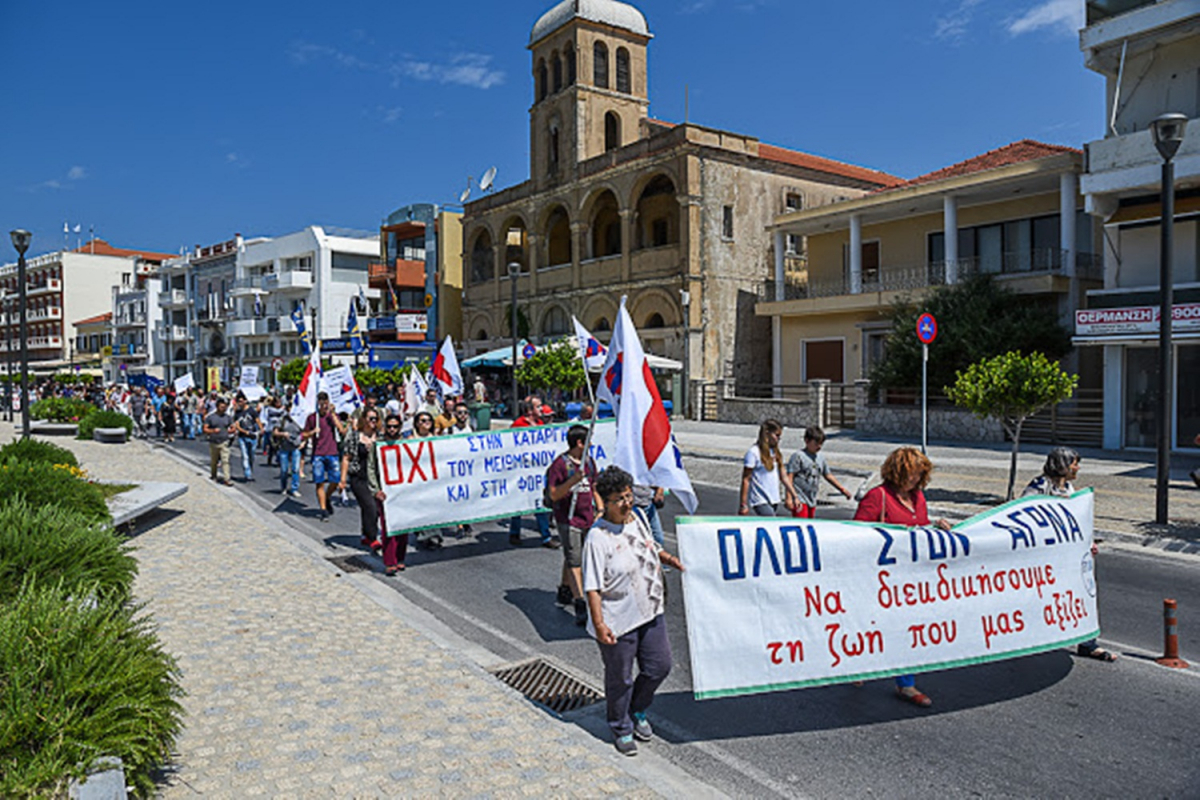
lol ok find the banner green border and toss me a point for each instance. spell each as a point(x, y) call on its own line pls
point(888, 673)
point(492, 517)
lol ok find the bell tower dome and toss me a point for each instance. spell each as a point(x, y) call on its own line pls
point(590, 88)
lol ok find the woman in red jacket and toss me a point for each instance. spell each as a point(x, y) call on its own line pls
point(901, 501)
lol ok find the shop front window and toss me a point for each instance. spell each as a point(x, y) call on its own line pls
point(1187, 395)
point(1141, 396)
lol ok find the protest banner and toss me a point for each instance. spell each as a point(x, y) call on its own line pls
point(248, 384)
point(775, 604)
point(342, 389)
point(475, 477)
point(184, 382)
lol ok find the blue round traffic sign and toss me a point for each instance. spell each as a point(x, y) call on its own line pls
point(927, 329)
point(528, 351)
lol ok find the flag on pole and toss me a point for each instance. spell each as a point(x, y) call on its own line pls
point(304, 404)
point(445, 369)
point(66, 229)
point(590, 348)
point(645, 447)
point(358, 335)
point(392, 292)
point(302, 329)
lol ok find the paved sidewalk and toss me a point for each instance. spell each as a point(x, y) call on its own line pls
point(300, 685)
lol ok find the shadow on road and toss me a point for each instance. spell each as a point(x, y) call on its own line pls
point(533, 603)
point(845, 706)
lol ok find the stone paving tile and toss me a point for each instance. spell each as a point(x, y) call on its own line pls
point(298, 686)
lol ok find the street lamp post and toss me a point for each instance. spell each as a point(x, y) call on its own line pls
point(513, 239)
point(8, 387)
point(1168, 135)
point(685, 301)
point(21, 239)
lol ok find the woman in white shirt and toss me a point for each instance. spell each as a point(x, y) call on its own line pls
point(623, 581)
point(762, 472)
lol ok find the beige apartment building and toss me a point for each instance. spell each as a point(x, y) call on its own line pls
point(672, 216)
point(1015, 213)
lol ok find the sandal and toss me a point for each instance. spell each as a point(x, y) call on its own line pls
point(916, 698)
point(1098, 653)
point(395, 569)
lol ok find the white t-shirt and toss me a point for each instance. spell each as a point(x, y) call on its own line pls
point(764, 483)
point(621, 563)
point(392, 407)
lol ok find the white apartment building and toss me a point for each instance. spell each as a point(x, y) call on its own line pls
point(135, 348)
point(63, 286)
point(317, 269)
point(1149, 54)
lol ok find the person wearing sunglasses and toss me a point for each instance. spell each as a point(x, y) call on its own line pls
point(360, 472)
point(395, 546)
point(423, 428)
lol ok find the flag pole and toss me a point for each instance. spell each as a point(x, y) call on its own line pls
point(587, 381)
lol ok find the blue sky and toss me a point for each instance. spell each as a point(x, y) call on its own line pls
point(171, 124)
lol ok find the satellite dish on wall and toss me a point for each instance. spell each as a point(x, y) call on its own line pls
point(466, 194)
point(489, 177)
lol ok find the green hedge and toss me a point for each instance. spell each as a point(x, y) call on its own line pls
point(61, 409)
point(104, 419)
point(47, 543)
point(51, 485)
point(39, 451)
point(79, 681)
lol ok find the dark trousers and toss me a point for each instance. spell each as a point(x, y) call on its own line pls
point(395, 548)
point(626, 695)
point(368, 513)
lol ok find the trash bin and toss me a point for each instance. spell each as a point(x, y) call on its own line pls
point(482, 414)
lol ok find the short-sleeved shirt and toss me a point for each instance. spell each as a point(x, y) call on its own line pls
point(326, 440)
point(248, 421)
point(764, 483)
point(291, 441)
point(580, 495)
point(1043, 485)
point(222, 422)
point(621, 562)
point(806, 471)
point(881, 505)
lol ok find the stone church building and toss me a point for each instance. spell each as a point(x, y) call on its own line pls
point(672, 216)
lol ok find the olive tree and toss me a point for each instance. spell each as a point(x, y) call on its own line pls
point(1011, 388)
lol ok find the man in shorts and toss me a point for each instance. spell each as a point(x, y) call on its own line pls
point(569, 483)
point(804, 472)
point(323, 428)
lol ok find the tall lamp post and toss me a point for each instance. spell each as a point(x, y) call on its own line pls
point(685, 301)
point(1168, 135)
point(8, 387)
point(21, 239)
point(514, 270)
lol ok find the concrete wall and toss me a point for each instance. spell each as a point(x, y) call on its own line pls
point(792, 413)
point(947, 424)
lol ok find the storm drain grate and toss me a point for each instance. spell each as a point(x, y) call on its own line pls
point(350, 564)
point(547, 685)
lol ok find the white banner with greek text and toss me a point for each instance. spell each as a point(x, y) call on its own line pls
point(775, 604)
point(474, 477)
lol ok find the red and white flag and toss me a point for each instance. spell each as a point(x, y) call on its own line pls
point(645, 447)
point(304, 404)
point(445, 369)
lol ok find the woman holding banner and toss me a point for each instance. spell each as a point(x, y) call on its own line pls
point(623, 581)
point(900, 500)
point(1061, 468)
point(423, 428)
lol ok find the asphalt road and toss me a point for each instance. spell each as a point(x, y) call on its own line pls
point(1044, 725)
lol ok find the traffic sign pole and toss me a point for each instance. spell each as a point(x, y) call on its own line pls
point(924, 397)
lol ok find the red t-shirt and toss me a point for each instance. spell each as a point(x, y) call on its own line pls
point(525, 422)
point(881, 505)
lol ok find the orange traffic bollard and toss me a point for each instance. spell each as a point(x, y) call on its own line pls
point(1170, 656)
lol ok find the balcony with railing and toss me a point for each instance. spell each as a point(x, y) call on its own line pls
point(403, 273)
point(43, 314)
point(292, 279)
point(174, 298)
point(43, 287)
point(1043, 261)
point(133, 320)
point(172, 333)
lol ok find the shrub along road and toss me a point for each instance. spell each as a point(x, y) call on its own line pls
point(1051, 724)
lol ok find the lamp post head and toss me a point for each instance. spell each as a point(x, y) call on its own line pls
point(21, 239)
point(513, 269)
point(1168, 134)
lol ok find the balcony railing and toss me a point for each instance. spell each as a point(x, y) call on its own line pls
point(1100, 10)
point(1044, 261)
point(173, 297)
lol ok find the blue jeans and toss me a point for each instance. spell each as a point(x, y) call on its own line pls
point(289, 470)
point(247, 445)
point(543, 523)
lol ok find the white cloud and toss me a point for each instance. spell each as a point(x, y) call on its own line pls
point(953, 25)
point(1057, 16)
point(77, 173)
point(462, 69)
point(231, 158)
point(388, 115)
